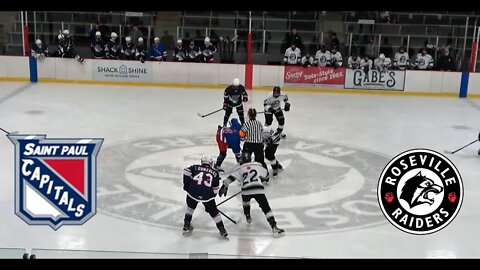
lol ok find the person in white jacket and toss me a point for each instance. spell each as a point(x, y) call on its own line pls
point(292, 56)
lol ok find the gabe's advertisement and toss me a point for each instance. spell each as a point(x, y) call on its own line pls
point(375, 80)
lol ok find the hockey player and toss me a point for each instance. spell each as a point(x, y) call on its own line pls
point(424, 60)
point(292, 56)
point(128, 49)
point(179, 52)
point(69, 51)
point(208, 51)
point(322, 57)
point(383, 63)
point(251, 175)
point(98, 47)
point(193, 52)
point(366, 63)
point(39, 50)
point(272, 106)
point(228, 137)
point(307, 60)
point(113, 49)
point(233, 97)
point(271, 139)
point(140, 50)
point(336, 58)
point(353, 61)
point(158, 51)
point(60, 46)
point(401, 60)
point(202, 182)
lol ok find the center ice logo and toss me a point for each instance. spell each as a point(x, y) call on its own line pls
point(55, 179)
point(324, 187)
point(420, 191)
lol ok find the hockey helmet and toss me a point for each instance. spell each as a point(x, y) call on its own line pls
point(207, 40)
point(60, 36)
point(114, 35)
point(179, 42)
point(66, 32)
point(140, 39)
point(236, 82)
point(98, 34)
point(207, 160)
point(252, 113)
point(381, 56)
point(245, 157)
point(268, 130)
point(156, 40)
point(128, 39)
point(276, 91)
point(38, 42)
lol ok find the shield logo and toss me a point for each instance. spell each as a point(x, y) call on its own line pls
point(55, 179)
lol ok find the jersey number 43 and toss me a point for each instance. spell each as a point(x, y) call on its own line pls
point(204, 178)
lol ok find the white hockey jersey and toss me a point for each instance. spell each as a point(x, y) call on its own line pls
point(353, 64)
point(401, 60)
point(292, 57)
point(250, 175)
point(307, 61)
point(270, 136)
point(336, 59)
point(322, 59)
point(382, 65)
point(366, 64)
point(424, 61)
point(274, 102)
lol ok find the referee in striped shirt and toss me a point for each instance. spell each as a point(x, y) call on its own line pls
point(252, 132)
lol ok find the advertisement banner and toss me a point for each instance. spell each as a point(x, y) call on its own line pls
point(127, 71)
point(375, 80)
point(314, 76)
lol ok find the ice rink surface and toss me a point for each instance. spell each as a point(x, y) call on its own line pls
point(325, 199)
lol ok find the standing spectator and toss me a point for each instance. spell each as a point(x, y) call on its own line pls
point(307, 60)
point(158, 51)
point(93, 32)
point(193, 52)
point(446, 62)
point(292, 55)
point(179, 52)
point(294, 38)
point(424, 60)
point(135, 33)
point(334, 42)
point(39, 50)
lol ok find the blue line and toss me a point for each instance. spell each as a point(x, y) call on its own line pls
point(33, 69)
point(464, 85)
point(15, 92)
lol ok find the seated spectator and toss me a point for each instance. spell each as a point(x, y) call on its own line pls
point(336, 58)
point(424, 60)
point(446, 62)
point(208, 51)
point(366, 63)
point(158, 51)
point(307, 60)
point(382, 63)
point(401, 60)
point(354, 61)
point(39, 50)
point(179, 52)
point(128, 49)
point(98, 46)
point(140, 50)
point(292, 55)
point(322, 57)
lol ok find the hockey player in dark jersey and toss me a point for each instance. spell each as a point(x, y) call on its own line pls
point(98, 47)
point(60, 46)
point(234, 96)
point(202, 183)
point(140, 50)
point(272, 106)
point(128, 49)
point(193, 52)
point(69, 50)
point(179, 53)
point(251, 175)
point(271, 139)
point(228, 137)
point(208, 50)
point(39, 50)
point(113, 49)
point(158, 51)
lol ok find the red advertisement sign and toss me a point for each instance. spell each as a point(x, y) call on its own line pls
point(314, 76)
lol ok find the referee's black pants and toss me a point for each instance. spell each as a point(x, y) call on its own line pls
point(257, 150)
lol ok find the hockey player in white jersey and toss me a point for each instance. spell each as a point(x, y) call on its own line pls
point(354, 61)
point(271, 139)
point(322, 57)
point(272, 106)
point(292, 56)
point(382, 63)
point(424, 60)
point(366, 63)
point(401, 60)
point(251, 175)
point(307, 60)
point(336, 58)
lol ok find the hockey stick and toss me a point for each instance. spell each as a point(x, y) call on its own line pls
point(233, 221)
point(266, 111)
point(448, 152)
point(199, 114)
point(13, 132)
point(230, 198)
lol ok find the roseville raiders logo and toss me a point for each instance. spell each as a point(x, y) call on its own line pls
point(292, 56)
point(323, 59)
point(421, 62)
point(420, 191)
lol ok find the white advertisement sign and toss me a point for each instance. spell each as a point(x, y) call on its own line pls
point(127, 71)
point(375, 80)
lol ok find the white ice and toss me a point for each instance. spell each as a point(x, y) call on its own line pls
point(387, 125)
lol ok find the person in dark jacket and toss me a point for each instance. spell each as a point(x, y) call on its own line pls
point(446, 62)
point(293, 38)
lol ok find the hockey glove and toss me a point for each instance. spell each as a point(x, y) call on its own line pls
point(223, 191)
point(287, 106)
point(245, 98)
point(225, 106)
